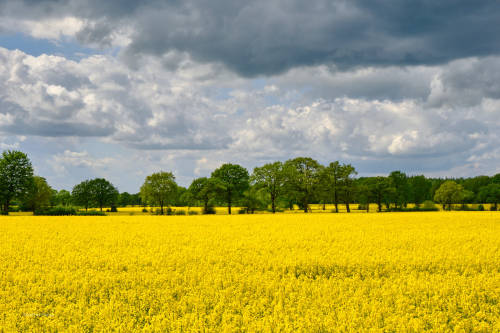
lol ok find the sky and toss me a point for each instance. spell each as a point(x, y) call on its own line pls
point(122, 88)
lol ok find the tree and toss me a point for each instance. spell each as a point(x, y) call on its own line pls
point(38, 195)
point(103, 193)
point(271, 178)
point(399, 181)
point(379, 189)
point(16, 177)
point(232, 180)
point(63, 198)
point(125, 199)
point(490, 194)
point(254, 198)
point(159, 189)
point(82, 194)
point(347, 171)
point(420, 188)
point(449, 193)
point(203, 189)
point(330, 179)
point(302, 178)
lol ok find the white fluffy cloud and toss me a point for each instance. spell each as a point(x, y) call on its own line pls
point(188, 117)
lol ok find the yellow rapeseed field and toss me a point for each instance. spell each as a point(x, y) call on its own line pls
point(388, 272)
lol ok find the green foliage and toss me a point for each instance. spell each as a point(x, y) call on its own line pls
point(159, 189)
point(57, 211)
point(490, 194)
point(428, 204)
point(179, 212)
point(209, 210)
point(82, 194)
point(231, 180)
point(16, 177)
point(271, 178)
point(302, 176)
point(38, 195)
point(449, 193)
point(103, 193)
point(192, 212)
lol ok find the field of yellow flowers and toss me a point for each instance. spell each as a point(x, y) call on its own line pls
point(436, 271)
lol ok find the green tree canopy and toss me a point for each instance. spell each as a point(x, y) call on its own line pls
point(203, 189)
point(82, 194)
point(103, 193)
point(271, 178)
point(232, 180)
point(159, 189)
point(16, 177)
point(302, 177)
point(39, 194)
point(449, 193)
point(490, 194)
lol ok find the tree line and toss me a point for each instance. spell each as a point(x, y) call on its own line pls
point(275, 186)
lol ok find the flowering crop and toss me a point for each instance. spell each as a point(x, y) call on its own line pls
point(299, 272)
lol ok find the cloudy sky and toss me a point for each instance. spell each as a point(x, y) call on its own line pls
point(123, 88)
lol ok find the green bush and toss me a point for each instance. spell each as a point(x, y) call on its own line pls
point(113, 209)
point(144, 210)
point(179, 212)
point(480, 208)
point(242, 211)
point(428, 204)
point(192, 212)
point(209, 210)
point(57, 211)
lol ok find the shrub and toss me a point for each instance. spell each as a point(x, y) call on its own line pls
point(209, 210)
point(57, 211)
point(480, 208)
point(492, 208)
point(179, 212)
point(362, 206)
point(144, 210)
point(192, 212)
point(428, 204)
point(113, 209)
point(242, 211)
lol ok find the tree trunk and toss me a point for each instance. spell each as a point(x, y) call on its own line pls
point(161, 208)
point(273, 204)
point(336, 200)
point(229, 204)
point(368, 207)
point(205, 206)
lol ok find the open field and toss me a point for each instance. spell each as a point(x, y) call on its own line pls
point(303, 272)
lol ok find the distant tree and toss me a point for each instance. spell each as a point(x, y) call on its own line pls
point(103, 193)
point(331, 181)
point(179, 198)
point(399, 181)
point(39, 194)
point(474, 184)
point(16, 177)
point(449, 193)
point(490, 194)
point(419, 188)
point(379, 189)
point(63, 198)
point(187, 198)
point(203, 189)
point(365, 192)
point(347, 184)
point(125, 199)
point(254, 198)
point(232, 180)
point(271, 178)
point(496, 179)
point(159, 189)
point(302, 178)
point(82, 194)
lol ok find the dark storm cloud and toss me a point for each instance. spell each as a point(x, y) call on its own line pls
point(269, 37)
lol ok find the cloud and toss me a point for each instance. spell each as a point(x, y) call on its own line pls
point(264, 38)
point(191, 117)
